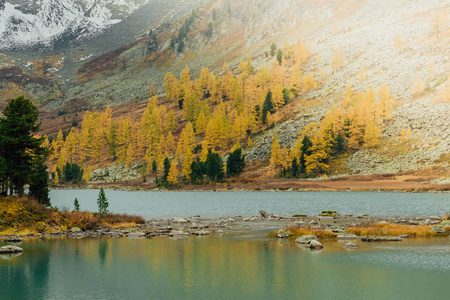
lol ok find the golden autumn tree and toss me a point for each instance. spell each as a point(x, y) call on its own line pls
point(275, 152)
point(173, 173)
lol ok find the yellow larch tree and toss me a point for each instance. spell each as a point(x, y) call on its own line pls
point(173, 173)
point(372, 135)
point(275, 152)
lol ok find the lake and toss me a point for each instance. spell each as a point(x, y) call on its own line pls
point(151, 204)
point(244, 266)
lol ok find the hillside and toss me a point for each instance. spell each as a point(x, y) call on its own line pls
point(351, 49)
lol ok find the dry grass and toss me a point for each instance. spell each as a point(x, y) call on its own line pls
point(390, 229)
point(320, 233)
point(25, 216)
point(114, 219)
point(82, 220)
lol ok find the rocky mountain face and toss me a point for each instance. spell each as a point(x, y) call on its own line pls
point(403, 44)
point(26, 23)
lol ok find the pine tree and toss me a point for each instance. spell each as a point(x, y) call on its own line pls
point(235, 162)
point(76, 205)
point(102, 202)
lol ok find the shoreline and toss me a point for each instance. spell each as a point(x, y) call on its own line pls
point(198, 226)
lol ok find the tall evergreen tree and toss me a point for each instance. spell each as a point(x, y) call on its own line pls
point(235, 162)
point(21, 150)
point(267, 107)
point(102, 202)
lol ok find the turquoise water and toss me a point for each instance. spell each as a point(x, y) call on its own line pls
point(219, 204)
point(228, 267)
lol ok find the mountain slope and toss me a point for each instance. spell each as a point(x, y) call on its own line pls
point(354, 47)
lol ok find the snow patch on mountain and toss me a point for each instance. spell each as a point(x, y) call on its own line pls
point(21, 26)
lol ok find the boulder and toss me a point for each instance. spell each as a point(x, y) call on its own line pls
point(75, 229)
point(351, 246)
point(263, 214)
point(315, 245)
point(438, 229)
point(283, 233)
point(313, 222)
point(10, 249)
point(305, 239)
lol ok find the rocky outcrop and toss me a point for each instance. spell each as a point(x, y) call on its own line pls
point(305, 239)
point(10, 249)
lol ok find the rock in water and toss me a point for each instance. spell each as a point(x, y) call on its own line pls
point(305, 239)
point(351, 246)
point(263, 214)
point(315, 245)
point(283, 233)
point(10, 249)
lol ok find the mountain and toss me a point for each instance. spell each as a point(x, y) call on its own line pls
point(353, 49)
point(42, 23)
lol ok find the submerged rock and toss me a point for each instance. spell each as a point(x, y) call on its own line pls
point(202, 232)
point(351, 246)
point(10, 249)
point(305, 239)
point(377, 238)
point(347, 236)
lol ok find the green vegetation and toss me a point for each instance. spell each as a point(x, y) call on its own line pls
point(22, 154)
point(102, 202)
point(70, 173)
point(24, 216)
point(235, 162)
point(76, 205)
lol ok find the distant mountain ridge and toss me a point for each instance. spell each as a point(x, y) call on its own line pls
point(28, 23)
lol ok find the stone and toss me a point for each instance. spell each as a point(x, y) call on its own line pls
point(438, 229)
point(283, 233)
point(179, 233)
point(202, 232)
point(13, 240)
point(313, 222)
point(299, 223)
point(75, 229)
point(315, 245)
point(305, 239)
point(179, 220)
point(10, 249)
point(136, 235)
point(351, 246)
point(263, 213)
point(403, 236)
point(377, 238)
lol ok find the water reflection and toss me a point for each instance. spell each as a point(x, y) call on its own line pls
point(223, 268)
